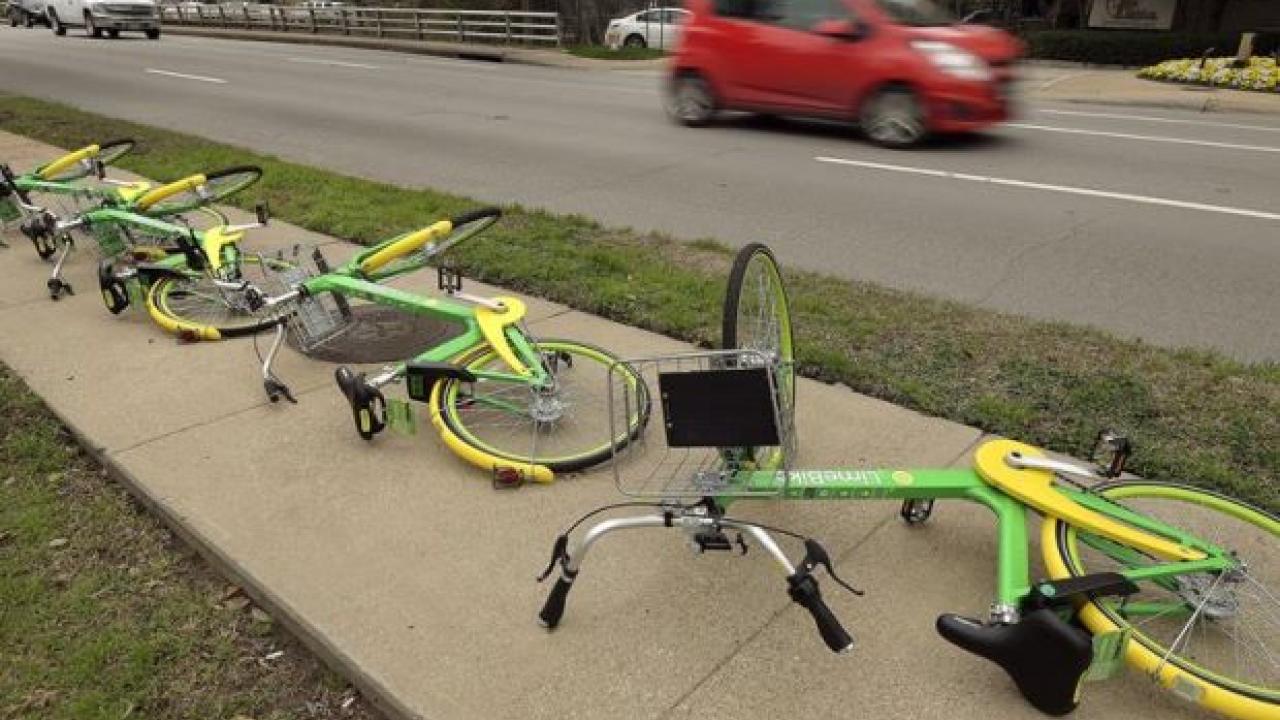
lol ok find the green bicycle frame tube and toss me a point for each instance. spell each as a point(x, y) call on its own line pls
point(463, 315)
point(1012, 564)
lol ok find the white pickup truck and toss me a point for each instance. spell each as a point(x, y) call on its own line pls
point(104, 16)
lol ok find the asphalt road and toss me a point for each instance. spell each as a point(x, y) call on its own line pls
point(1157, 224)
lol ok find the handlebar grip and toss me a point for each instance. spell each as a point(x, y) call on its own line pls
point(804, 590)
point(553, 609)
point(473, 215)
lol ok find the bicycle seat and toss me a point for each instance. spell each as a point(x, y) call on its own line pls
point(1046, 657)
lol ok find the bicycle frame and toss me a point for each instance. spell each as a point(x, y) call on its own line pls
point(1013, 584)
point(472, 336)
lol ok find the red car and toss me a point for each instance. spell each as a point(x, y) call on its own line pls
point(900, 68)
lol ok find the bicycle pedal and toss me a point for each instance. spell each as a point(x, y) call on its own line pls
point(114, 294)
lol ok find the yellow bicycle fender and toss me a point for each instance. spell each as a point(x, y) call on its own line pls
point(132, 191)
point(475, 456)
point(166, 191)
point(53, 169)
point(1034, 487)
point(212, 242)
point(1169, 677)
point(405, 245)
point(184, 330)
point(493, 325)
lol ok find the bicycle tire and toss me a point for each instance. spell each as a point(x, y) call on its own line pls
point(108, 153)
point(192, 307)
point(1149, 647)
point(218, 186)
point(513, 433)
point(757, 316)
point(465, 226)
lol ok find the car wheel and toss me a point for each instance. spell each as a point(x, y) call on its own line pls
point(153, 34)
point(691, 101)
point(90, 29)
point(635, 42)
point(113, 33)
point(56, 24)
point(893, 118)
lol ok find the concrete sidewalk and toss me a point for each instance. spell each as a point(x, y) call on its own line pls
point(1122, 87)
point(412, 577)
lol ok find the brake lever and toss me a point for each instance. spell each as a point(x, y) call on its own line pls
point(559, 553)
point(815, 555)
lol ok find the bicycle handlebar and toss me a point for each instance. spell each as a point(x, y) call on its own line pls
point(803, 589)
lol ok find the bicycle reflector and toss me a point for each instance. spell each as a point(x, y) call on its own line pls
point(507, 478)
point(1111, 451)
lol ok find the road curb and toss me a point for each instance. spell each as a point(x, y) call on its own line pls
point(464, 51)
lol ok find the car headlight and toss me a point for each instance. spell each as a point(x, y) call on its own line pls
point(953, 60)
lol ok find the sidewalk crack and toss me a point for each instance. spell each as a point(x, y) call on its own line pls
point(1011, 265)
point(203, 423)
point(839, 560)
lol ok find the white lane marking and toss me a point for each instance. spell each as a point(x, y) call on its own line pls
point(1148, 118)
point(338, 63)
point(1061, 78)
point(1145, 138)
point(1070, 190)
point(200, 78)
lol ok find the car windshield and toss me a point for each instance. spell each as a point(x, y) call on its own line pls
point(916, 12)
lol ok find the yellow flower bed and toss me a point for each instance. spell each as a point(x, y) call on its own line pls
point(1261, 74)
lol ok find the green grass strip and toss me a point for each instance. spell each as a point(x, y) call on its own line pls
point(1195, 416)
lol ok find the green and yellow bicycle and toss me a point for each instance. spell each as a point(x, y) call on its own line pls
point(520, 407)
point(104, 211)
point(1182, 583)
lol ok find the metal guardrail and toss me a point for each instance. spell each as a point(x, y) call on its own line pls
point(399, 23)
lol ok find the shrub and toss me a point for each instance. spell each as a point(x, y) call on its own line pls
point(1125, 47)
point(1261, 73)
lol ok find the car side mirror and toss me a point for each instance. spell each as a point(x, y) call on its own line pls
point(839, 29)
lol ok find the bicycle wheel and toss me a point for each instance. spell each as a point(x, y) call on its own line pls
point(217, 187)
point(465, 226)
point(108, 152)
point(1211, 638)
point(757, 317)
point(148, 239)
point(196, 308)
point(564, 428)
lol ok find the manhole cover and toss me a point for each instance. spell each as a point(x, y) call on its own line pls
point(382, 334)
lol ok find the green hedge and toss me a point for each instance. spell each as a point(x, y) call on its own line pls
point(1125, 47)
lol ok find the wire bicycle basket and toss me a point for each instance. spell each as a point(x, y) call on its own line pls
point(313, 319)
point(725, 430)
